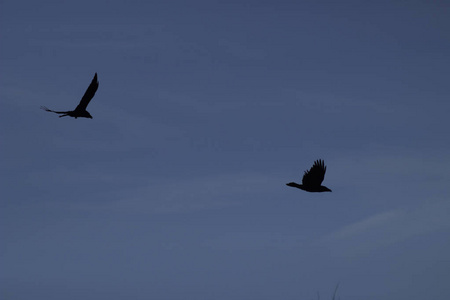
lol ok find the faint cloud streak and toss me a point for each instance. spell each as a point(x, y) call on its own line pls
point(388, 228)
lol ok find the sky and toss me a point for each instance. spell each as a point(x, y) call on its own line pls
point(205, 110)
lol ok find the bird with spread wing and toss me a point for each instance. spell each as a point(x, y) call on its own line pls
point(313, 178)
point(80, 111)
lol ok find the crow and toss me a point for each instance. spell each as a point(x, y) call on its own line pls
point(80, 111)
point(313, 178)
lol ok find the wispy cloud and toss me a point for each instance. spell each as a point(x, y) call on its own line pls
point(388, 228)
point(362, 227)
point(256, 241)
point(178, 196)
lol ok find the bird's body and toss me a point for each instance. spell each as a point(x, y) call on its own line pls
point(312, 179)
point(80, 111)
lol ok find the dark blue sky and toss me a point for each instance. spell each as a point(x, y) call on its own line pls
point(176, 188)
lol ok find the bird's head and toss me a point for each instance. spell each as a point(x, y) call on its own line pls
point(296, 185)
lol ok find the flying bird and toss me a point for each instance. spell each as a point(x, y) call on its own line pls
point(80, 111)
point(313, 178)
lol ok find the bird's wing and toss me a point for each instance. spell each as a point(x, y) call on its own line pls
point(315, 175)
point(89, 94)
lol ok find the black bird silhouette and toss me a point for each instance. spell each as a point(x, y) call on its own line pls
point(313, 178)
point(80, 111)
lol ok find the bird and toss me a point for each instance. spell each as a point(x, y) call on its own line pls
point(313, 178)
point(80, 111)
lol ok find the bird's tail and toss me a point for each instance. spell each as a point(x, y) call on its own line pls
point(46, 109)
point(56, 112)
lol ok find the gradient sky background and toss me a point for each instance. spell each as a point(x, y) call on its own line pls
point(205, 109)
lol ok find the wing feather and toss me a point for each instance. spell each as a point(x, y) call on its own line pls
point(315, 175)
